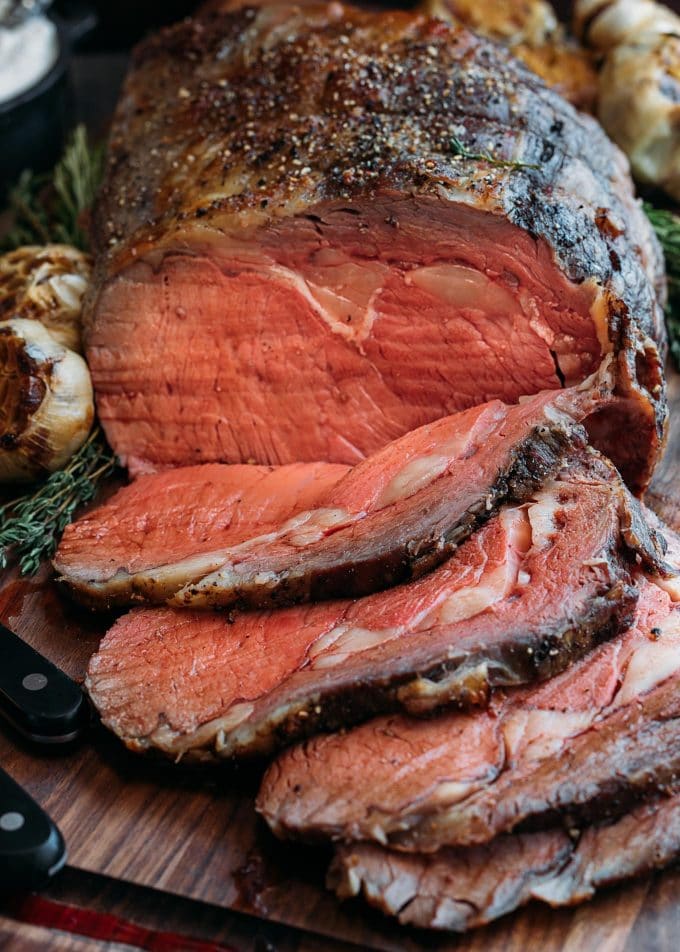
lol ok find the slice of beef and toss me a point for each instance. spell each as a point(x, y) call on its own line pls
point(356, 223)
point(166, 526)
point(462, 778)
point(457, 889)
point(391, 518)
point(532, 590)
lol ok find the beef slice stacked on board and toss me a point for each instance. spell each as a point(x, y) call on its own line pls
point(411, 288)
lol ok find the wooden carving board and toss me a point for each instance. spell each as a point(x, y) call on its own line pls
point(196, 833)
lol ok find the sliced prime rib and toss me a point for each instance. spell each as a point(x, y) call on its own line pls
point(533, 589)
point(163, 527)
point(591, 740)
point(318, 531)
point(457, 889)
point(337, 225)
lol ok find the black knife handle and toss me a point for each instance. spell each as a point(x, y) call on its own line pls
point(38, 699)
point(32, 849)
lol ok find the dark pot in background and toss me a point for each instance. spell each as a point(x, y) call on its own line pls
point(33, 125)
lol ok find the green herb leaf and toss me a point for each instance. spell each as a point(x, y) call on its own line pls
point(48, 208)
point(31, 526)
point(458, 149)
point(667, 227)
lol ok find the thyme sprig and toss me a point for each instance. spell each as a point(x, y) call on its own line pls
point(667, 227)
point(460, 150)
point(31, 525)
point(49, 208)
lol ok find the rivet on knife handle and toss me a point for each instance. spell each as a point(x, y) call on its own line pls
point(32, 849)
point(38, 699)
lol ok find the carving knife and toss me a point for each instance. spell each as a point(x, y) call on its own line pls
point(36, 698)
point(32, 849)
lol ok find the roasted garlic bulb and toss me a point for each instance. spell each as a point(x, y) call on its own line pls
point(532, 32)
point(46, 403)
point(46, 283)
point(606, 24)
point(639, 84)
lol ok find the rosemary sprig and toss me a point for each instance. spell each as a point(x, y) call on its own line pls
point(460, 150)
point(31, 525)
point(49, 207)
point(667, 227)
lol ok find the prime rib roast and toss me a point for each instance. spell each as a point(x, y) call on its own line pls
point(322, 228)
point(376, 323)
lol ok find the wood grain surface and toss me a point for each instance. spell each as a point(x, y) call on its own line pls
point(194, 832)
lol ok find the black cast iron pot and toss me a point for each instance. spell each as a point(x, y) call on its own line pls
point(34, 123)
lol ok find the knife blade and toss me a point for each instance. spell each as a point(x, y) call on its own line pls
point(36, 698)
point(32, 849)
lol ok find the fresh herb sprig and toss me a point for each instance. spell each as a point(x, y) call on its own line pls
point(667, 227)
point(31, 525)
point(50, 208)
point(458, 149)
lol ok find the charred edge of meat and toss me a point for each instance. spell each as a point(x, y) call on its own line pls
point(641, 377)
point(576, 875)
point(647, 543)
point(470, 682)
point(459, 680)
point(531, 463)
point(621, 792)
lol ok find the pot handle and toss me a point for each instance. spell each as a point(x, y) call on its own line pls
point(77, 19)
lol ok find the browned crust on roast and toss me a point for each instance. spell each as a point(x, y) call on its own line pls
point(422, 540)
point(458, 889)
point(631, 755)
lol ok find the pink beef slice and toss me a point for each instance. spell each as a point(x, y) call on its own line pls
point(321, 229)
point(586, 743)
point(531, 591)
point(228, 536)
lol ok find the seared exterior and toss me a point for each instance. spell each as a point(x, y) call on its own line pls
point(287, 201)
point(457, 889)
point(531, 591)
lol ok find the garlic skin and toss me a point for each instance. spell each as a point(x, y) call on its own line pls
point(639, 84)
point(606, 24)
point(46, 283)
point(645, 123)
point(46, 401)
